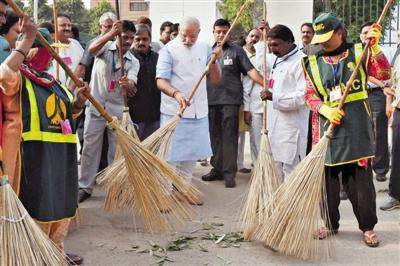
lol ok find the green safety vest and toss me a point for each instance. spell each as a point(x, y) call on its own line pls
point(352, 140)
point(49, 172)
point(43, 109)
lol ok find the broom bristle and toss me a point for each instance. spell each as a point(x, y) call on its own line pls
point(142, 182)
point(264, 182)
point(160, 141)
point(298, 210)
point(23, 242)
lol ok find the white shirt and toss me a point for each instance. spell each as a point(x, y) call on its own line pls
point(71, 56)
point(287, 115)
point(251, 90)
point(183, 66)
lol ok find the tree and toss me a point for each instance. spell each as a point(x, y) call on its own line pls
point(95, 13)
point(79, 15)
point(45, 13)
point(355, 13)
point(250, 17)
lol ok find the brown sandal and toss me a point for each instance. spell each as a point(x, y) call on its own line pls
point(324, 232)
point(371, 239)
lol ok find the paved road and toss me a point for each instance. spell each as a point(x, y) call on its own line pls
point(106, 239)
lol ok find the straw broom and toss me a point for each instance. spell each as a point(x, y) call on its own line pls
point(299, 206)
point(22, 241)
point(118, 196)
point(265, 178)
point(148, 175)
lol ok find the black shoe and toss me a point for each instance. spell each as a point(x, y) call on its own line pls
point(83, 195)
point(381, 177)
point(212, 176)
point(230, 183)
point(245, 171)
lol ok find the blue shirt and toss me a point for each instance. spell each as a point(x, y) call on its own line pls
point(5, 49)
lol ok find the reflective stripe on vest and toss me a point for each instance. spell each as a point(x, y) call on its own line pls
point(351, 97)
point(35, 134)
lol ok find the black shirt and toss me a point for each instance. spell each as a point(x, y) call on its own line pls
point(145, 105)
point(232, 63)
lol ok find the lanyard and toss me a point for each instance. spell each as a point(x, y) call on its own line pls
point(276, 63)
point(335, 70)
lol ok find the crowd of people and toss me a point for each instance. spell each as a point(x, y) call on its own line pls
point(43, 113)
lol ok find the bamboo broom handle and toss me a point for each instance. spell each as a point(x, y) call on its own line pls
point(55, 18)
point(68, 71)
point(121, 54)
point(264, 124)
point(214, 57)
point(354, 74)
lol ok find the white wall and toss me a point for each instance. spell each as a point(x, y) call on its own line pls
point(291, 13)
point(175, 10)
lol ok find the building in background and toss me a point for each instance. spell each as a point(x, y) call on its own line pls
point(129, 9)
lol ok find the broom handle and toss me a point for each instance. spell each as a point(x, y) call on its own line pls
point(214, 57)
point(68, 71)
point(55, 18)
point(358, 65)
point(264, 124)
point(121, 54)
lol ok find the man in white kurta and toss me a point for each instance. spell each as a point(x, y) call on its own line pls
point(287, 119)
point(180, 64)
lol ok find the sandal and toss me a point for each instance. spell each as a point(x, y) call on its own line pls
point(371, 239)
point(325, 232)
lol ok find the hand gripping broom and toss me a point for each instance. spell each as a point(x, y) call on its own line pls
point(22, 241)
point(159, 142)
point(118, 196)
point(148, 174)
point(265, 178)
point(298, 208)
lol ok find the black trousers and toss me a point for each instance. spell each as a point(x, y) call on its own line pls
point(224, 131)
point(359, 186)
point(377, 101)
point(394, 182)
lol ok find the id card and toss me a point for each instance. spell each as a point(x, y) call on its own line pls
point(67, 60)
point(335, 94)
point(112, 85)
point(228, 61)
point(271, 84)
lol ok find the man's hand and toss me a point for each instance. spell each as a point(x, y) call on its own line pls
point(217, 52)
point(334, 115)
point(182, 100)
point(116, 28)
point(28, 27)
point(247, 117)
point(266, 95)
point(80, 95)
point(388, 91)
point(389, 109)
point(263, 25)
point(128, 85)
point(374, 35)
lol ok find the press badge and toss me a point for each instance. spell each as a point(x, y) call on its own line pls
point(112, 85)
point(271, 84)
point(67, 60)
point(228, 61)
point(335, 94)
point(66, 127)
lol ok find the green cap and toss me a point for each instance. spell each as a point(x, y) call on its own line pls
point(324, 26)
point(45, 33)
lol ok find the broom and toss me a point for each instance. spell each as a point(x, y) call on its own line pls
point(147, 174)
point(118, 197)
point(299, 207)
point(159, 142)
point(22, 240)
point(265, 178)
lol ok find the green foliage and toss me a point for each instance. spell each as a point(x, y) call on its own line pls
point(355, 13)
point(249, 19)
point(95, 13)
point(45, 12)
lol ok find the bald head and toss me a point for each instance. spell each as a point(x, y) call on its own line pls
point(189, 30)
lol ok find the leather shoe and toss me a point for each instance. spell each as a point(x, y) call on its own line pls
point(83, 195)
point(212, 176)
point(381, 177)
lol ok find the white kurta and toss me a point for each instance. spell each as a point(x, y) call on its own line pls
point(287, 115)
